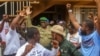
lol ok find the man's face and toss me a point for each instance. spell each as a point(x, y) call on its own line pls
point(56, 36)
point(71, 31)
point(43, 24)
point(5, 16)
point(37, 36)
point(84, 28)
point(23, 26)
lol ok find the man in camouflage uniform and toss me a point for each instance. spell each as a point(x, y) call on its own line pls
point(45, 32)
point(59, 42)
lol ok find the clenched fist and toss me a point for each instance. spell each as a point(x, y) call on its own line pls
point(68, 6)
point(55, 44)
point(28, 48)
point(97, 1)
point(22, 13)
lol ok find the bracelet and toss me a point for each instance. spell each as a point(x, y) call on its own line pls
point(70, 10)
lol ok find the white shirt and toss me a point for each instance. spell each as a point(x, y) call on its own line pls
point(38, 50)
point(12, 42)
point(76, 38)
point(5, 29)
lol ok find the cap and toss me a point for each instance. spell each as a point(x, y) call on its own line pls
point(43, 19)
point(58, 29)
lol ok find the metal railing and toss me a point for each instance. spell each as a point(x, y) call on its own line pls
point(11, 8)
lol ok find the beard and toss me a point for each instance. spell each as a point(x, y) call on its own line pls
point(83, 32)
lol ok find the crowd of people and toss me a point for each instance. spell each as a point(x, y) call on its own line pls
point(20, 38)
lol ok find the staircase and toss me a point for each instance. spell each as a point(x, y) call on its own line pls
point(41, 7)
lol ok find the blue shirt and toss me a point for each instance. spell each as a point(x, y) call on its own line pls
point(90, 45)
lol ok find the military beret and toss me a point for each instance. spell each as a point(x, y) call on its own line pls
point(43, 19)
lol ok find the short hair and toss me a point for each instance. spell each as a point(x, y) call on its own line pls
point(90, 24)
point(30, 32)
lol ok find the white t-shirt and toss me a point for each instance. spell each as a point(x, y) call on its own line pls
point(38, 50)
point(76, 38)
point(12, 42)
point(4, 31)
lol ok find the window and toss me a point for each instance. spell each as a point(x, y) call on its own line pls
point(85, 12)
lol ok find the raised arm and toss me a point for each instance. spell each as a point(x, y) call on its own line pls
point(72, 17)
point(98, 20)
point(28, 18)
point(21, 21)
point(3, 21)
point(16, 19)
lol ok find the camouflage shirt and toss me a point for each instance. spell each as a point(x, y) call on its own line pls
point(45, 36)
point(67, 49)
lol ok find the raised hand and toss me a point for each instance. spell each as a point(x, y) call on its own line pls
point(68, 6)
point(22, 13)
point(59, 53)
point(97, 1)
point(28, 12)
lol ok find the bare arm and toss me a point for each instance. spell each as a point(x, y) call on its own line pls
point(24, 54)
point(2, 25)
point(28, 21)
point(21, 21)
point(73, 20)
point(28, 18)
point(14, 22)
point(16, 19)
point(72, 17)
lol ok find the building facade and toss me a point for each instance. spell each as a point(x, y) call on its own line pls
point(52, 9)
